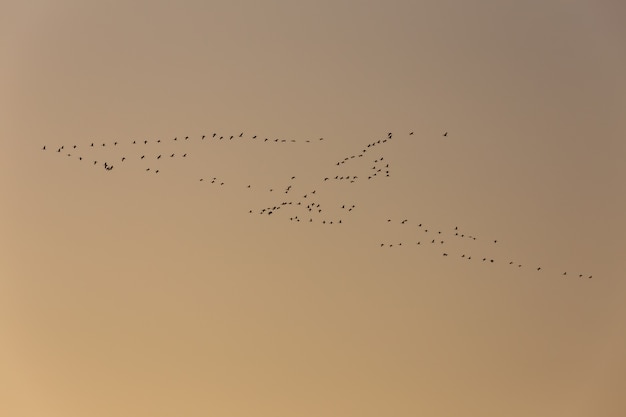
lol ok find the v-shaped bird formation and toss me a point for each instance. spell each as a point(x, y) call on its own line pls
point(292, 202)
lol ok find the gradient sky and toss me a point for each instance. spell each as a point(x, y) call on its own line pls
point(131, 293)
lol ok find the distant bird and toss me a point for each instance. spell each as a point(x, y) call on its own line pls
point(44, 148)
point(445, 134)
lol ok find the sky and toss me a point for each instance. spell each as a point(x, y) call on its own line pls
point(297, 268)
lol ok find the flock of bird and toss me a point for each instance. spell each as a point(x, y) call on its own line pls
point(305, 206)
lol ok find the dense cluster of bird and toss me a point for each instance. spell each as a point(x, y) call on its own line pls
point(307, 206)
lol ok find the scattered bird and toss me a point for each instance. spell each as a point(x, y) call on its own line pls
point(350, 161)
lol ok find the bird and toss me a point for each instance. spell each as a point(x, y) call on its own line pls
point(445, 134)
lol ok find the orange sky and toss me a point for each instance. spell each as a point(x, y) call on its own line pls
point(132, 292)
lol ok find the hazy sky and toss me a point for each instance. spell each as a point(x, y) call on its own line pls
point(127, 292)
